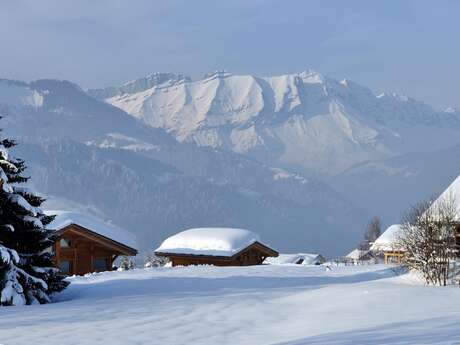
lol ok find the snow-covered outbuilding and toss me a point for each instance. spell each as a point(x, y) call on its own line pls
point(387, 243)
point(358, 255)
point(296, 259)
point(215, 246)
point(87, 244)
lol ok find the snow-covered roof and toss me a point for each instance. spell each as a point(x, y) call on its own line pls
point(209, 241)
point(451, 193)
point(288, 259)
point(358, 254)
point(355, 254)
point(387, 240)
point(66, 218)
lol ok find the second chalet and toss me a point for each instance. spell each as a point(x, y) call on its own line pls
point(215, 246)
point(86, 244)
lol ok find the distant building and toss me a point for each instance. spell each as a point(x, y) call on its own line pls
point(387, 244)
point(215, 246)
point(86, 244)
point(296, 259)
point(358, 255)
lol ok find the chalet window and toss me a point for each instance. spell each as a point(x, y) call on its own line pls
point(65, 267)
point(100, 264)
point(65, 242)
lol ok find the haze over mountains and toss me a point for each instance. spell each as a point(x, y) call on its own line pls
point(302, 159)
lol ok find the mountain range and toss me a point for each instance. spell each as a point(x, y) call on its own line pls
point(306, 121)
point(302, 159)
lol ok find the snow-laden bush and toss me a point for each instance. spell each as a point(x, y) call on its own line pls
point(155, 261)
point(126, 263)
point(428, 240)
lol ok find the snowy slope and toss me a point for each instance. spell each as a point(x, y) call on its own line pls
point(304, 120)
point(263, 305)
point(19, 94)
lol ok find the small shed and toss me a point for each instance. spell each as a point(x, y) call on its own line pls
point(296, 259)
point(357, 255)
point(86, 244)
point(215, 246)
point(387, 243)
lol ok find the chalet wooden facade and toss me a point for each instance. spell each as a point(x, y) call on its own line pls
point(393, 257)
point(222, 247)
point(386, 246)
point(81, 248)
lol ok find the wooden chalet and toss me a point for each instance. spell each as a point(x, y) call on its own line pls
point(85, 244)
point(386, 245)
point(215, 246)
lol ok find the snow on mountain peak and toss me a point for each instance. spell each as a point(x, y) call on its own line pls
point(394, 96)
point(140, 85)
point(304, 119)
point(311, 76)
point(452, 110)
point(217, 74)
point(16, 94)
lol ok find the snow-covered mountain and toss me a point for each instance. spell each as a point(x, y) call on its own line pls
point(88, 154)
point(304, 121)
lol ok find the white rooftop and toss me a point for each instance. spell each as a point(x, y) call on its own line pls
point(66, 218)
point(452, 192)
point(209, 241)
point(355, 254)
point(291, 259)
point(387, 240)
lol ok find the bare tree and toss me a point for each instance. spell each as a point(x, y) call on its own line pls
point(372, 232)
point(428, 239)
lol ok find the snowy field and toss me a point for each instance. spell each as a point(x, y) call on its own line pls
point(245, 305)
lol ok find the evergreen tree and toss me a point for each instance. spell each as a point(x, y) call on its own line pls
point(27, 274)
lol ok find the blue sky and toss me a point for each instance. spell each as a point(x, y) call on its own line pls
point(411, 47)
